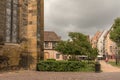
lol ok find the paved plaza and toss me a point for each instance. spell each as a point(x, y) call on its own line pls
point(32, 75)
point(109, 73)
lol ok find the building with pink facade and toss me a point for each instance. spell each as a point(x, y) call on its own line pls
point(95, 38)
point(109, 46)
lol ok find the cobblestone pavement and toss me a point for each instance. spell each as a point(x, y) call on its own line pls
point(109, 73)
point(32, 75)
point(108, 68)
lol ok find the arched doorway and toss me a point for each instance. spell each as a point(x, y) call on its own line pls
point(46, 55)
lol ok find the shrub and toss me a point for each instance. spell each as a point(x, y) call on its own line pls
point(64, 66)
point(51, 60)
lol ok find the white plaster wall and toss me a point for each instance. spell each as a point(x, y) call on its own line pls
point(100, 43)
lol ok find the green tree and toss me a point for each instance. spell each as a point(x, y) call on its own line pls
point(78, 44)
point(115, 32)
point(94, 53)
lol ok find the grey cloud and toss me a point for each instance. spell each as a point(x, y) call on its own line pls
point(86, 16)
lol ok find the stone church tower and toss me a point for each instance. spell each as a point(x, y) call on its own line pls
point(23, 20)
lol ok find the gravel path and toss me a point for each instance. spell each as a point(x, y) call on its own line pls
point(108, 68)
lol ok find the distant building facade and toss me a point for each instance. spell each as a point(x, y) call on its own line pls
point(94, 39)
point(50, 40)
point(109, 46)
point(100, 44)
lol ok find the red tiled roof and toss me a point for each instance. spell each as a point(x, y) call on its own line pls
point(51, 36)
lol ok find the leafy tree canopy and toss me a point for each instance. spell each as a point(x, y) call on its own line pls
point(78, 44)
point(115, 32)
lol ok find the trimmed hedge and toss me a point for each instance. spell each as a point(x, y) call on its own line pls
point(51, 59)
point(64, 66)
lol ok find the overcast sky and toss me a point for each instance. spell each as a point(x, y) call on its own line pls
point(85, 16)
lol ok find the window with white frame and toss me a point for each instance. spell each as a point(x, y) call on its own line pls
point(46, 44)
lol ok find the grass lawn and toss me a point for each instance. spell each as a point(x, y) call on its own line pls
point(114, 63)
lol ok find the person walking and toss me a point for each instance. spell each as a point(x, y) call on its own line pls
point(106, 60)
